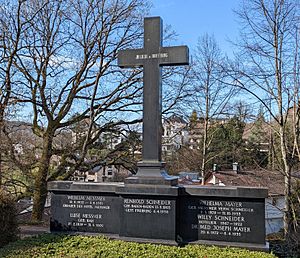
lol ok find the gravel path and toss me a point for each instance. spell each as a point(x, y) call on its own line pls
point(33, 230)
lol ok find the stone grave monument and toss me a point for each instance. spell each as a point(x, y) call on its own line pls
point(150, 206)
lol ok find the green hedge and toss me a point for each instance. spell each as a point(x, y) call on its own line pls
point(84, 246)
point(8, 219)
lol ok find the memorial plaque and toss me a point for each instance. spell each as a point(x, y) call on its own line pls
point(82, 212)
point(222, 219)
point(149, 217)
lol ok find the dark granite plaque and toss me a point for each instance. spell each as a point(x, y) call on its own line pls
point(82, 212)
point(222, 219)
point(150, 217)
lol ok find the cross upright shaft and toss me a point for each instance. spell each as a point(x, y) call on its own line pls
point(152, 57)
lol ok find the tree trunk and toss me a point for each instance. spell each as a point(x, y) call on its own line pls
point(296, 150)
point(1, 141)
point(205, 131)
point(0, 169)
point(287, 214)
point(40, 184)
point(204, 150)
point(287, 183)
point(271, 154)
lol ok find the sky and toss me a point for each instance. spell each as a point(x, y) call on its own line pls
point(192, 18)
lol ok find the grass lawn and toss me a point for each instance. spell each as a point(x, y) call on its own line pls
point(50, 245)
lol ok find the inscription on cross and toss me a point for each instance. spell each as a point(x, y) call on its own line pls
point(152, 57)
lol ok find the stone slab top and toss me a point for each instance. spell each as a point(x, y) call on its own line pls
point(165, 190)
point(143, 189)
point(71, 186)
point(225, 191)
point(163, 179)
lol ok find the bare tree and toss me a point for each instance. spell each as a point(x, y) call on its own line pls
point(18, 148)
point(65, 62)
point(296, 97)
point(10, 32)
point(210, 95)
point(267, 71)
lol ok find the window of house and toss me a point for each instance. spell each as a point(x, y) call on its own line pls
point(109, 170)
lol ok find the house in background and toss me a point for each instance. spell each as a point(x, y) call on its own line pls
point(273, 180)
point(175, 134)
point(196, 131)
point(189, 178)
point(102, 173)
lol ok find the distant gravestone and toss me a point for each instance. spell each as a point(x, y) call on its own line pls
point(152, 207)
point(152, 57)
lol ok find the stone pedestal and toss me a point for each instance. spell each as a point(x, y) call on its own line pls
point(177, 215)
point(152, 173)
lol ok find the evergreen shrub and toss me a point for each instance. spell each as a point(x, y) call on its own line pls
point(53, 245)
point(8, 219)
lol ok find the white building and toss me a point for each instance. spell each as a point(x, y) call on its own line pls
point(175, 134)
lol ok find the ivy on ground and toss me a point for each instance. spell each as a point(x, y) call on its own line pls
point(48, 245)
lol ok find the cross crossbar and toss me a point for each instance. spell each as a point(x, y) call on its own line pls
point(152, 57)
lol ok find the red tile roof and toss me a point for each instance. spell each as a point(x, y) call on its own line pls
point(274, 180)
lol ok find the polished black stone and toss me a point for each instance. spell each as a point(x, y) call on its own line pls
point(153, 208)
point(222, 219)
point(228, 191)
point(233, 216)
point(151, 217)
point(84, 207)
point(80, 212)
point(152, 57)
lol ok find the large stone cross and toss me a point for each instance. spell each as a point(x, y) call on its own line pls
point(152, 57)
